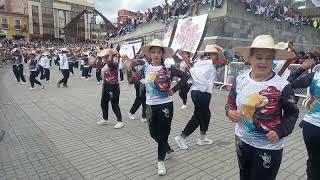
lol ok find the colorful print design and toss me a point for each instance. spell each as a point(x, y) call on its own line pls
point(262, 111)
point(314, 103)
point(156, 81)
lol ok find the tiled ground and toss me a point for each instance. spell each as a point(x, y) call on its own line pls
point(52, 134)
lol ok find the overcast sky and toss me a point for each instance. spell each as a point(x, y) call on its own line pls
point(109, 8)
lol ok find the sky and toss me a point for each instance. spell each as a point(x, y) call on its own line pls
point(109, 8)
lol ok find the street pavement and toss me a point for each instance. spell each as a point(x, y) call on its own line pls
point(52, 134)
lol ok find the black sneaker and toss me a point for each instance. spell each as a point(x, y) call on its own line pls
point(65, 86)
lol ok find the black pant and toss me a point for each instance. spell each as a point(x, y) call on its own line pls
point(76, 64)
point(121, 74)
point(311, 136)
point(46, 74)
point(98, 74)
point(90, 70)
point(255, 163)
point(64, 80)
point(81, 67)
point(159, 122)
point(41, 72)
point(71, 67)
point(32, 78)
point(201, 115)
point(85, 72)
point(183, 93)
point(111, 92)
point(140, 99)
point(18, 72)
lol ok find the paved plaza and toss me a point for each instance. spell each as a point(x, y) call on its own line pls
point(52, 134)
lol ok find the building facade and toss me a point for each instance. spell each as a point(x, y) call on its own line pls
point(47, 18)
point(14, 25)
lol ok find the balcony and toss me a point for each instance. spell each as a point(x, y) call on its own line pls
point(5, 26)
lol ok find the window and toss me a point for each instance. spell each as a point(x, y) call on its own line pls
point(5, 23)
point(17, 24)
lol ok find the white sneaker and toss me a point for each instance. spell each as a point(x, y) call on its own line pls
point(82, 77)
point(119, 125)
point(131, 116)
point(144, 120)
point(23, 83)
point(102, 122)
point(169, 155)
point(48, 81)
point(181, 142)
point(98, 83)
point(204, 142)
point(42, 87)
point(184, 107)
point(161, 169)
point(31, 89)
point(87, 79)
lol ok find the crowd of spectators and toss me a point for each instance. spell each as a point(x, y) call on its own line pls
point(165, 12)
point(279, 11)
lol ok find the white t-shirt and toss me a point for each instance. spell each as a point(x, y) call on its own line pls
point(153, 95)
point(252, 95)
point(313, 116)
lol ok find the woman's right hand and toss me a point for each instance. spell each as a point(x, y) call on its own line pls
point(235, 116)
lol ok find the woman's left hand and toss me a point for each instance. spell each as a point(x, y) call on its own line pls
point(273, 137)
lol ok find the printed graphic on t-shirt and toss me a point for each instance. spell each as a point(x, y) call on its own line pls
point(111, 76)
point(262, 111)
point(314, 103)
point(158, 82)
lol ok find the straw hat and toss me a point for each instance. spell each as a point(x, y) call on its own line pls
point(265, 42)
point(282, 45)
point(46, 53)
point(64, 49)
point(86, 53)
point(33, 52)
point(210, 49)
point(185, 50)
point(14, 50)
point(168, 52)
point(106, 52)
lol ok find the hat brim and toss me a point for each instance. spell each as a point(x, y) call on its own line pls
point(168, 52)
point(209, 52)
point(181, 51)
point(279, 55)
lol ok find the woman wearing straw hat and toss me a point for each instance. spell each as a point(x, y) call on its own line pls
point(185, 66)
point(64, 67)
point(17, 66)
point(311, 122)
point(46, 66)
point(34, 71)
point(86, 65)
point(110, 87)
point(158, 97)
point(203, 75)
point(263, 107)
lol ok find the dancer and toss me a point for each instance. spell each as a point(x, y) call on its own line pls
point(86, 65)
point(138, 71)
point(64, 67)
point(99, 64)
point(17, 66)
point(158, 97)
point(185, 66)
point(203, 75)
point(111, 87)
point(263, 107)
point(311, 122)
point(34, 70)
point(46, 66)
